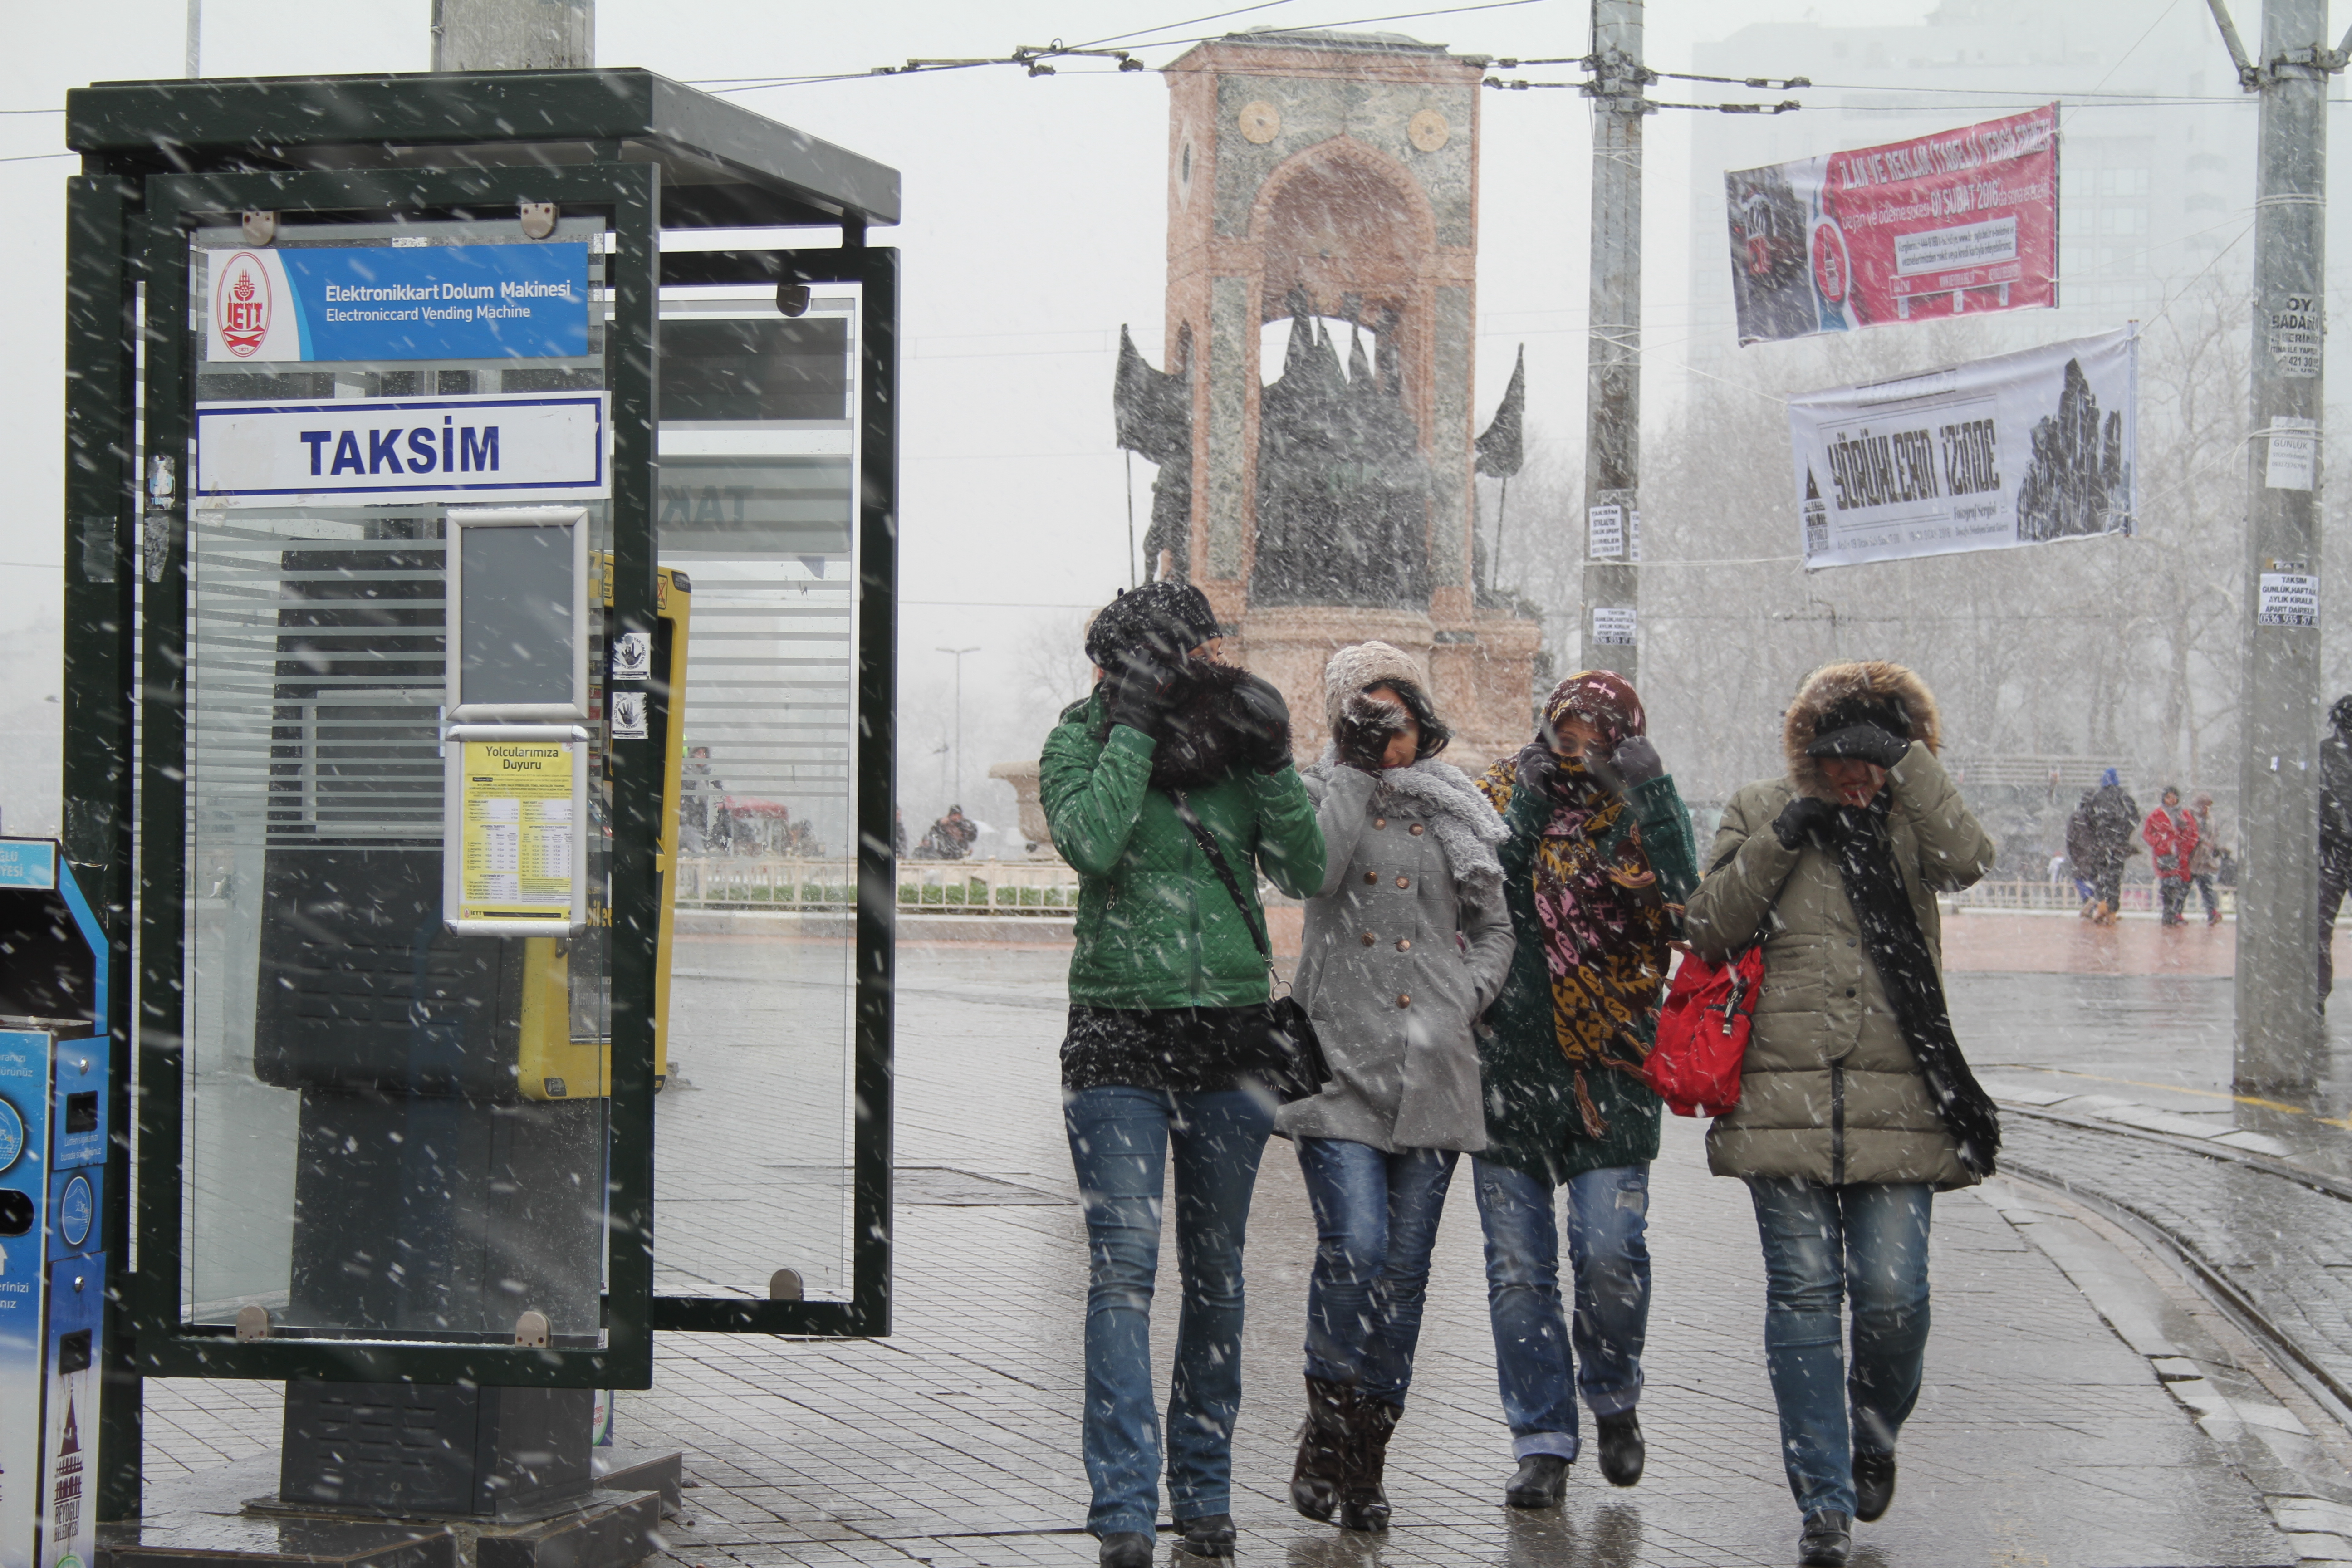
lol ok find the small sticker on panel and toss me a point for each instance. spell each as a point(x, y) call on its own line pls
point(628, 715)
point(633, 656)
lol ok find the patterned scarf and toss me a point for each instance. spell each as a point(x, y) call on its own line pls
point(1605, 927)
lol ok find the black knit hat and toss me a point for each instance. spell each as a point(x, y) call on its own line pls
point(1174, 615)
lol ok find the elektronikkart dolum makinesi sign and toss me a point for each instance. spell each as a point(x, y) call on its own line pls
point(548, 446)
point(376, 302)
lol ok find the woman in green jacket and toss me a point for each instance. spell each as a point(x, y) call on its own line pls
point(1598, 858)
point(1174, 751)
point(1856, 1104)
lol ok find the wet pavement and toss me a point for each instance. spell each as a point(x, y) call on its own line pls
point(2082, 1406)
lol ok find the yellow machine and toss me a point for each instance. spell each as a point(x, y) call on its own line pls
point(566, 1049)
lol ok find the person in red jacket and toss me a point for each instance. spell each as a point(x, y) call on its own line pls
point(2171, 834)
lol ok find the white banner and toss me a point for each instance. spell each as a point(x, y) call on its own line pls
point(2019, 449)
point(538, 447)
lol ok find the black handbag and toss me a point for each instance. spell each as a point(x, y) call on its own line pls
point(1298, 1069)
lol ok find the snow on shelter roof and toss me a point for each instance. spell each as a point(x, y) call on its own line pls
point(722, 165)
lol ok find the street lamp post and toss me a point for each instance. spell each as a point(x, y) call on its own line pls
point(957, 653)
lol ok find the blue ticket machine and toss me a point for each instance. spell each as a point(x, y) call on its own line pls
point(53, 1136)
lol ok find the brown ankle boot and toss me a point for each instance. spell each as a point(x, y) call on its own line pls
point(1321, 1470)
point(1364, 1502)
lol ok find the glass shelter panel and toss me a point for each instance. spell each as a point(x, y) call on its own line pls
point(375, 1143)
point(757, 503)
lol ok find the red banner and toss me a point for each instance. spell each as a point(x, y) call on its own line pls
point(1948, 225)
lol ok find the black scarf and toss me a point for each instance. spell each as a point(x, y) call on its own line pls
point(1199, 744)
point(1890, 935)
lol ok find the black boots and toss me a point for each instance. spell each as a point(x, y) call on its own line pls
point(1540, 1481)
point(1828, 1540)
point(1873, 1483)
point(1210, 1535)
point(1363, 1502)
point(1321, 1469)
point(1128, 1549)
point(1622, 1449)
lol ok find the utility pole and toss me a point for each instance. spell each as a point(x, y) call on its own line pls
point(1612, 417)
point(958, 654)
point(196, 38)
point(513, 35)
point(2281, 1042)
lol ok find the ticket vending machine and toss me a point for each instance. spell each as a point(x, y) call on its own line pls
point(455, 392)
point(53, 1148)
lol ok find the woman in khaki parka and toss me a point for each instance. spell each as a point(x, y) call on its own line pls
point(1856, 1104)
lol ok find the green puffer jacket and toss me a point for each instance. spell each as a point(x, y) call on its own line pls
point(1829, 1089)
point(1532, 1121)
point(1155, 927)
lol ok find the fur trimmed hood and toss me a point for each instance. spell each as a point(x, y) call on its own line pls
point(1836, 685)
point(1361, 665)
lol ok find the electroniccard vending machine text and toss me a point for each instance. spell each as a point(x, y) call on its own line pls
point(53, 1072)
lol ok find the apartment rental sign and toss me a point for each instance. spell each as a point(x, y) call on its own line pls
point(1955, 224)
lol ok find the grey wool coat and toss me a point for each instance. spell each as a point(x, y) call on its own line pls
point(1393, 991)
point(1829, 1089)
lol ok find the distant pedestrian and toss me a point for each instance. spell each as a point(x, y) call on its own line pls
point(2099, 840)
point(898, 831)
point(2205, 860)
point(1599, 859)
point(1856, 1104)
point(1168, 1028)
point(1406, 942)
point(2171, 835)
point(2335, 834)
point(949, 839)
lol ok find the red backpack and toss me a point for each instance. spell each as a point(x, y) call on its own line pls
point(1703, 1033)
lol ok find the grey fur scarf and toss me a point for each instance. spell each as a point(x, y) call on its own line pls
point(1466, 825)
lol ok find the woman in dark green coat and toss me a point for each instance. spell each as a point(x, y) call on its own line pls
point(1168, 1028)
point(1599, 859)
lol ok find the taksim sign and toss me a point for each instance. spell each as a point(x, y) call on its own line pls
point(548, 446)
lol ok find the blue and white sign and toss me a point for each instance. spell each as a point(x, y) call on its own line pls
point(397, 302)
point(540, 445)
point(28, 863)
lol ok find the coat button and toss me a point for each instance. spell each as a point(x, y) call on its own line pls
point(1849, 990)
point(1369, 938)
point(1414, 830)
point(1404, 999)
point(1371, 876)
point(1405, 881)
point(1379, 822)
point(1404, 944)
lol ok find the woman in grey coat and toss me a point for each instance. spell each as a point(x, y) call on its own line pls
point(1407, 941)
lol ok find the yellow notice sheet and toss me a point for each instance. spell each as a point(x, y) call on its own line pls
point(517, 847)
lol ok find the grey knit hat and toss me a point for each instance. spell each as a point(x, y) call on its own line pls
point(1364, 664)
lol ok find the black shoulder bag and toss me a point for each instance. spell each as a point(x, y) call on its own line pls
point(1298, 1070)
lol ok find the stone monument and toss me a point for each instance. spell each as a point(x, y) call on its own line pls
point(1330, 179)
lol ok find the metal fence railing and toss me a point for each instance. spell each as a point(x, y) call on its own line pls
point(2136, 898)
point(949, 887)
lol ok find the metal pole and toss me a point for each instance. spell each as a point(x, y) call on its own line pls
point(2281, 1042)
point(196, 38)
point(956, 794)
point(1612, 419)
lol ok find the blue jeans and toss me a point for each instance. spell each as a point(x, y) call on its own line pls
point(1866, 1244)
point(1608, 1248)
point(1119, 1144)
point(1375, 1221)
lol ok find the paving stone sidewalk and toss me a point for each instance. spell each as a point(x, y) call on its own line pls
point(2042, 1437)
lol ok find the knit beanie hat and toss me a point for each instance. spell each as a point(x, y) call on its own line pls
point(1363, 663)
point(1174, 615)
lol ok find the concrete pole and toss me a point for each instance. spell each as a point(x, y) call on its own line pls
point(1612, 418)
point(513, 35)
point(2280, 1046)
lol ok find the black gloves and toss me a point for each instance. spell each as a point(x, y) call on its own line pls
point(1802, 818)
point(1261, 719)
point(1365, 727)
point(1145, 688)
point(1863, 742)
point(1634, 762)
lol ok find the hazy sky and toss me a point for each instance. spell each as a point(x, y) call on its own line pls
point(1035, 226)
